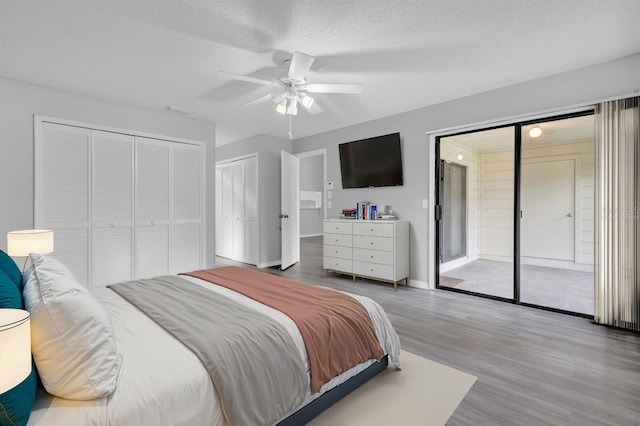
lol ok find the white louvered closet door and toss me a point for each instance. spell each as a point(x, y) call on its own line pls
point(237, 212)
point(152, 219)
point(112, 208)
point(219, 215)
point(251, 211)
point(186, 254)
point(227, 211)
point(63, 194)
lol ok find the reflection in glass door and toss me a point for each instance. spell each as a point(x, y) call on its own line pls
point(487, 158)
point(454, 201)
point(557, 219)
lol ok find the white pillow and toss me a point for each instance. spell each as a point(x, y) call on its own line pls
point(71, 336)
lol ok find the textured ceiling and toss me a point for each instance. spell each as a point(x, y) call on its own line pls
point(407, 54)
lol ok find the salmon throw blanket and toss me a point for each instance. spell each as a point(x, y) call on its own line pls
point(337, 330)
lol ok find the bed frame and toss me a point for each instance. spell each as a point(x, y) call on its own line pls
point(327, 399)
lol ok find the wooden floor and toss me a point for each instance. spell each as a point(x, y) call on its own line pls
point(534, 367)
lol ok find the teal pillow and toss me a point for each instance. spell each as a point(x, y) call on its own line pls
point(15, 404)
point(9, 267)
point(10, 296)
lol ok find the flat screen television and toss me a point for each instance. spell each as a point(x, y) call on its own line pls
point(371, 162)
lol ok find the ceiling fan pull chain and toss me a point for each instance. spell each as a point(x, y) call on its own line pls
point(290, 127)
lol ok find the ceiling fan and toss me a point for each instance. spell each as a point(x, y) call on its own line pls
point(292, 89)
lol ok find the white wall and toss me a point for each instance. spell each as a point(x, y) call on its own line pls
point(496, 205)
point(268, 149)
point(557, 92)
point(311, 179)
point(18, 104)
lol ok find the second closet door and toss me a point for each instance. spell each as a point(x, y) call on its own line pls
point(112, 207)
point(152, 208)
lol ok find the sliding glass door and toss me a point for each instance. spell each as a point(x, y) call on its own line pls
point(557, 220)
point(515, 214)
point(481, 208)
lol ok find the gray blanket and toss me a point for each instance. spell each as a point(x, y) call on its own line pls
point(252, 360)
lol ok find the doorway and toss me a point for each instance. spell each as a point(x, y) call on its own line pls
point(454, 199)
point(529, 213)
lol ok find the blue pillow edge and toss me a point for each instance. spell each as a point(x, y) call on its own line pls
point(17, 403)
point(9, 267)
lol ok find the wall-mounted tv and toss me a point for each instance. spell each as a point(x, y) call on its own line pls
point(371, 162)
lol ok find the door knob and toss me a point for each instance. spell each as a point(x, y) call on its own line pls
point(283, 216)
point(569, 214)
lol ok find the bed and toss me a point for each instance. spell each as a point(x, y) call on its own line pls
point(162, 381)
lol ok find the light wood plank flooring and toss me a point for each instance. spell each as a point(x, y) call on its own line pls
point(534, 367)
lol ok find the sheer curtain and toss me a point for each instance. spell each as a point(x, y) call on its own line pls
point(617, 198)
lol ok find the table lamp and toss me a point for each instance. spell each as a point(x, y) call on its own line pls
point(15, 348)
point(21, 243)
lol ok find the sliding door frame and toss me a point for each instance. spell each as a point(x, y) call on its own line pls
point(517, 125)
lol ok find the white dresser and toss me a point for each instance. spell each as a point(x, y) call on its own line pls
point(375, 249)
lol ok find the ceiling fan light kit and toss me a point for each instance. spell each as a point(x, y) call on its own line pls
point(291, 89)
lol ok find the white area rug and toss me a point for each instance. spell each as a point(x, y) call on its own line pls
point(423, 393)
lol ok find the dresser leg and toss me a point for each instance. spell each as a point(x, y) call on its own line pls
point(395, 285)
point(354, 278)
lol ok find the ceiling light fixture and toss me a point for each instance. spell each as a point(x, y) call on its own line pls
point(460, 157)
point(307, 101)
point(535, 132)
point(293, 107)
point(282, 106)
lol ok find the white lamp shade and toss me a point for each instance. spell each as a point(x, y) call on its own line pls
point(21, 243)
point(15, 348)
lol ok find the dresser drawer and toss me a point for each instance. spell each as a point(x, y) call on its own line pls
point(338, 240)
point(373, 256)
point(335, 264)
point(373, 270)
point(337, 227)
point(373, 229)
point(338, 251)
point(373, 243)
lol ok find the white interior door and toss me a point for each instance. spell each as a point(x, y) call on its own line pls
point(548, 209)
point(290, 209)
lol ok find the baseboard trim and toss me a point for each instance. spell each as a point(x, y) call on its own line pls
point(269, 264)
point(418, 284)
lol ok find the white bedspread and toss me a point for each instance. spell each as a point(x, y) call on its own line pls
point(162, 382)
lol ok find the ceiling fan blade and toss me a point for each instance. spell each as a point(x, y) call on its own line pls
point(313, 109)
point(334, 88)
point(300, 65)
point(261, 99)
point(247, 78)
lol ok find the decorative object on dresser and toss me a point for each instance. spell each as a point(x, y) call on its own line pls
point(377, 250)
